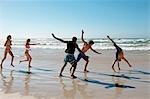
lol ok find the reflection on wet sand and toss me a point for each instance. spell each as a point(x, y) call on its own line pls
point(83, 89)
point(118, 82)
point(7, 81)
point(100, 83)
point(26, 84)
point(69, 91)
point(76, 88)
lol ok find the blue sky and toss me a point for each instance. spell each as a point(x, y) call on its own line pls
point(66, 18)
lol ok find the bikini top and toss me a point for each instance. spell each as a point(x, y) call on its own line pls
point(8, 44)
point(27, 47)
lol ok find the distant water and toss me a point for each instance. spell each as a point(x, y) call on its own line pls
point(49, 43)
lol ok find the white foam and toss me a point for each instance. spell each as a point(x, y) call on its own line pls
point(104, 44)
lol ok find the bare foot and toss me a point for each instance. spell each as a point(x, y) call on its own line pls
point(113, 69)
point(86, 71)
point(12, 65)
point(60, 75)
point(29, 72)
point(73, 76)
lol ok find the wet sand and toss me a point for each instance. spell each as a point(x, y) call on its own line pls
point(100, 83)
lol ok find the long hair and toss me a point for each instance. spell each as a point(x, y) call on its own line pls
point(27, 42)
point(8, 38)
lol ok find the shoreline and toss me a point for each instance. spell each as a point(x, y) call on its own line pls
point(101, 81)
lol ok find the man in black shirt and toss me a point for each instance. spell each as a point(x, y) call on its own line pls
point(119, 54)
point(71, 45)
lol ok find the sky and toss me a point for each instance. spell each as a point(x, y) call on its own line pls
point(66, 18)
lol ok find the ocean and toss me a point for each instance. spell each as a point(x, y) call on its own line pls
point(100, 43)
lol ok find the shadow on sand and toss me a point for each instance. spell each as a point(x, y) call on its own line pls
point(112, 75)
point(41, 69)
point(139, 72)
point(107, 85)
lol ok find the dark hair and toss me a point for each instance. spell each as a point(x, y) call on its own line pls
point(74, 39)
point(28, 40)
point(91, 42)
point(8, 37)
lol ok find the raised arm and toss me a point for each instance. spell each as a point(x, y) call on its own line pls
point(95, 51)
point(58, 38)
point(33, 43)
point(83, 38)
point(111, 40)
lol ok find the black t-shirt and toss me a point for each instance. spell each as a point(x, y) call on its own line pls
point(71, 47)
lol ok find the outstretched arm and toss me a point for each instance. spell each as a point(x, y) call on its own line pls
point(95, 51)
point(83, 38)
point(34, 44)
point(58, 38)
point(111, 40)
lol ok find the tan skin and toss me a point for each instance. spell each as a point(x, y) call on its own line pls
point(27, 54)
point(7, 51)
point(84, 49)
point(87, 46)
point(120, 56)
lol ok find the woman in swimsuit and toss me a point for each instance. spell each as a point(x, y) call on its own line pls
point(8, 50)
point(27, 54)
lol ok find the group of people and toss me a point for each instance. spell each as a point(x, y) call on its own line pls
point(70, 50)
point(8, 44)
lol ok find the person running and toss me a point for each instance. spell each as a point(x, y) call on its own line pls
point(85, 48)
point(27, 54)
point(119, 54)
point(71, 45)
point(8, 44)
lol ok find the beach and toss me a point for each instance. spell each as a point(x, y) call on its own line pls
point(100, 82)
point(44, 30)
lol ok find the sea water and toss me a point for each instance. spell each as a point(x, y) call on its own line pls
point(99, 43)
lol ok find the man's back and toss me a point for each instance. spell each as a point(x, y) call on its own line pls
point(70, 47)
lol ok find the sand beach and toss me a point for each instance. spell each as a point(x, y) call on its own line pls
point(100, 82)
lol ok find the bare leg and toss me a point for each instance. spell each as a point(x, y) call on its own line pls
point(62, 69)
point(85, 69)
point(113, 65)
point(30, 62)
point(5, 54)
point(24, 60)
point(118, 65)
point(71, 69)
point(127, 62)
point(10, 52)
point(29, 69)
point(27, 56)
point(74, 68)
